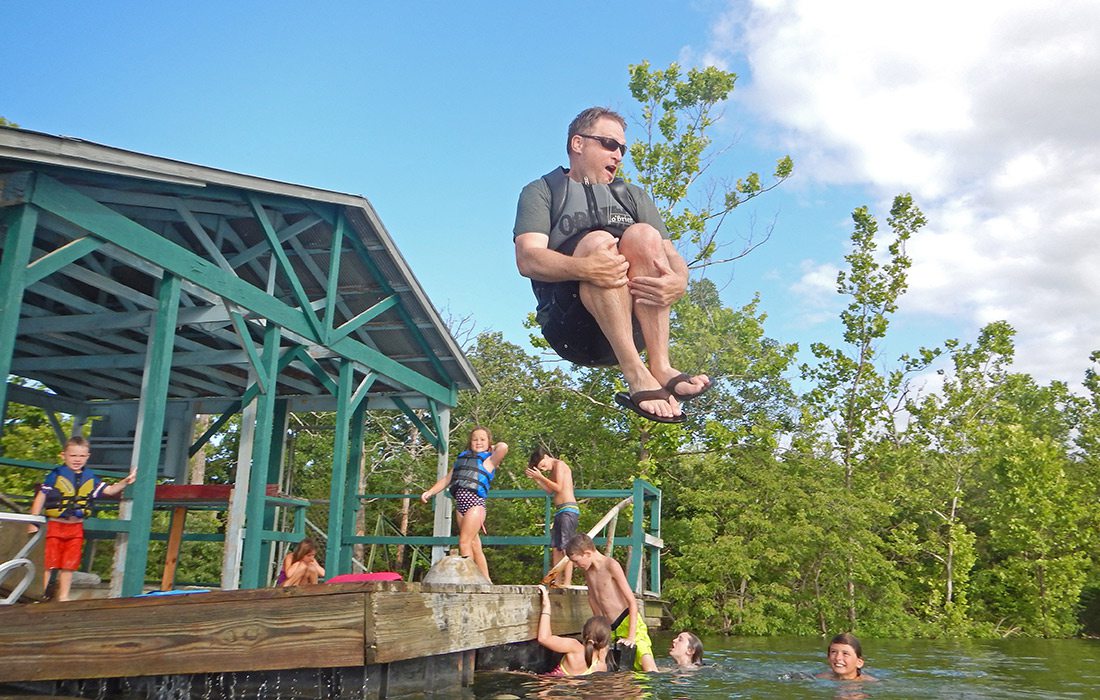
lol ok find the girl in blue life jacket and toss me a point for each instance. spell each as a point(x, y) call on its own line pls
point(469, 480)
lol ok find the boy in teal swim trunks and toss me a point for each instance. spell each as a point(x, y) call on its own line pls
point(609, 595)
point(556, 478)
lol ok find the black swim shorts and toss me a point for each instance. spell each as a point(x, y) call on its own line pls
point(570, 328)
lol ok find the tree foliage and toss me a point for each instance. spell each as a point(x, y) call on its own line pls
point(938, 493)
point(678, 111)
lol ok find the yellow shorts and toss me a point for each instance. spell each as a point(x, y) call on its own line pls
point(642, 644)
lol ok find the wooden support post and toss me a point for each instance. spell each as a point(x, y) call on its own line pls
point(441, 527)
point(637, 538)
point(352, 506)
point(175, 540)
point(269, 551)
point(238, 499)
point(251, 565)
point(21, 223)
point(655, 558)
point(147, 436)
point(338, 488)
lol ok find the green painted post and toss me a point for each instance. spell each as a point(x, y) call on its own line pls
point(251, 564)
point(637, 536)
point(548, 519)
point(351, 488)
point(150, 428)
point(274, 471)
point(340, 442)
point(21, 223)
point(655, 530)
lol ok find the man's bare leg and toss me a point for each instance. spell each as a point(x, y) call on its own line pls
point(613, 310)
point(642, 246)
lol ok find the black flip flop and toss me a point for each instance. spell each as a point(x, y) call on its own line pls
point(630, 401)
point(681, 377)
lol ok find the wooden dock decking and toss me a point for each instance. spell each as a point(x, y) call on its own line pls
point(324, 626)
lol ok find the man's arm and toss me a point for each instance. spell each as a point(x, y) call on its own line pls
point(668, 286)
point(604, 268)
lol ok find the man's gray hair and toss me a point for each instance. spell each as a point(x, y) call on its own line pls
point(583, 122)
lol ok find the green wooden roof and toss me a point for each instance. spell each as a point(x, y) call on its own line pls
point(320, 264)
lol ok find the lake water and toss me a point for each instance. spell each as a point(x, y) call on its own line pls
point(736, 667)
point(784, 668)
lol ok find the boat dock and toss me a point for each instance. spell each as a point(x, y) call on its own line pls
point(377, 639)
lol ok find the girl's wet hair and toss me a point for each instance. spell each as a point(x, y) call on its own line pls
point(596, 634)
point(470, 440)
point(849, 639)
point(696, 646)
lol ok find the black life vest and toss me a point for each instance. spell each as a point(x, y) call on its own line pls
point(558, 182)
point(469, 473)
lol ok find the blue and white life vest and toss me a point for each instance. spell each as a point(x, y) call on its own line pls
point(470, 473)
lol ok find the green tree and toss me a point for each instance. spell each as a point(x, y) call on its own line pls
point(1034, 555)
point(678, 111)
point(852, 402)
point(723, 490)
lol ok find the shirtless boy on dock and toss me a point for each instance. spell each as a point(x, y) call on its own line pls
point(609, 595)
point(557, 481)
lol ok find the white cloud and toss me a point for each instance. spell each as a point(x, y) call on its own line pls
point(816, 290)
point(985, 113)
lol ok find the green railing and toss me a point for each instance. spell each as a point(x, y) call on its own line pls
point(644, 541)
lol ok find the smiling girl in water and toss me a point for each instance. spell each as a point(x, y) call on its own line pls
point(845, 659)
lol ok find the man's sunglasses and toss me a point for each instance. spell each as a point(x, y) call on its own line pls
point(609, 144)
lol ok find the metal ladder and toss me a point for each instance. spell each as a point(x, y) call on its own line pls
point(20, 561)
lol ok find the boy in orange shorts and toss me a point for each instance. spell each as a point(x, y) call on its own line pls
point(66, 496)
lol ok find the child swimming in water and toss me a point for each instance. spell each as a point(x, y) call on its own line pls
point(579, 658)
point(845, 659)
point(686, 651)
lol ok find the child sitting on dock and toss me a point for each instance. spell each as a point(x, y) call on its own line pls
point(300, 566)
point(845, 659)
point(609, 595)
point(559, 483)
point(469, 481)
point(579, 658)
point(66, 497)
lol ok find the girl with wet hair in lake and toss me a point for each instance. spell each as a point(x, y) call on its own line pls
point(845, 659)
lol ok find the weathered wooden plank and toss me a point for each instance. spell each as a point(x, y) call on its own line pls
point(224, 632)
point(329, 626)
point(437, 619)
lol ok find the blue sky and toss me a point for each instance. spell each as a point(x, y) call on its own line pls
point(439, 113)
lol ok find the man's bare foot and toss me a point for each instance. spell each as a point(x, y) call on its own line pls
point(645, 396)
point(659, 397)
point(684, 387)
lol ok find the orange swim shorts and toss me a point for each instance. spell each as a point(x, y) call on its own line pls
point(64, 543)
